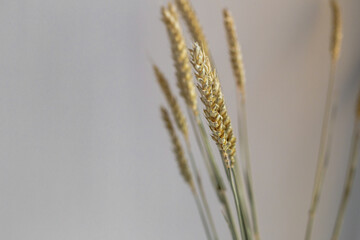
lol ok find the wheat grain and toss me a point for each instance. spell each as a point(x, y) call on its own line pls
point(180, 57)
point(172, 102)
point(234, 51)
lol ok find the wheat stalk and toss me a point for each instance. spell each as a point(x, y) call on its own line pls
point(185, 84)
point(353, 160)
point(180, 57)
point(239, 73)
point(183, 166)
point(328, 118)
point(220, 125)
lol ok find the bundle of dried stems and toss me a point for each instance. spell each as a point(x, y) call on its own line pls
point(239, 177)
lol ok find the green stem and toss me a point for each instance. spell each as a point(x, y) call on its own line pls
point(348, 182)
point(215, 176)
point(245, 151)
point(202, 215)
point(201, 190)
point(323, 154)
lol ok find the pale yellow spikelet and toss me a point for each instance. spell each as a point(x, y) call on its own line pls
point(174, 106)
point(178, 150)
point(192, 22)
point(234, 51)
point(215, 109)
point(336, 36)
point(180, 57)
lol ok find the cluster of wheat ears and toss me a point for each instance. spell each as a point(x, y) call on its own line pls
point(194, 68)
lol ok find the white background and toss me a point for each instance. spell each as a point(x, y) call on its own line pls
point(84, 155)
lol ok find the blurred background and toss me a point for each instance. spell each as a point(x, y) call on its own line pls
point(84, 154)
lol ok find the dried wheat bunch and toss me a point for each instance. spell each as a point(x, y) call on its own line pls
point(178, 150)
point(180, 57)
point(336, 36)
point(215, 109)
point(179, 117)
point(193, 23)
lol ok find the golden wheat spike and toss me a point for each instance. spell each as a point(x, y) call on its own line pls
point(215, 109)
point(234, 51)
point(174, 105)
point(192, 22)
point(178, 150)
point(180, 57)
point(336, 36)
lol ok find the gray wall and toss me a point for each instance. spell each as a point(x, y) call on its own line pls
point(84, 154)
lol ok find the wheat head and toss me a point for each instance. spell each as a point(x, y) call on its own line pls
point(180, 57)
point(215, 110)
point(178, 150)
point(191, 20)
point(234, 51)
point(179, 117)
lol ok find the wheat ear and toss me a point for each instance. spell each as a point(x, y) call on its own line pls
point(184, 168)
point(178, 150)
point(220, 125)
point(328, 118)
point(192, 22)
point(172, 102)
point(215, 110)
point(180, 57)
point(234, 51)
point(239, 73)
point(353, 160)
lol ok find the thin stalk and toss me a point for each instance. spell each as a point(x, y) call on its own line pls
point(201, 190)
point(244, 230)
point(202, 215)
point(215, 176)
point(245, 151)
point(323, 154)
point(241, 196)
point(349, 181)
point(229, 218)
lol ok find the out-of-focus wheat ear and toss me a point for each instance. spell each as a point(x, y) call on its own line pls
point(192, 22)
point(180, 57)
point(336, 36)
point(179, 117)
point(234, 51)
point(178, 150)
